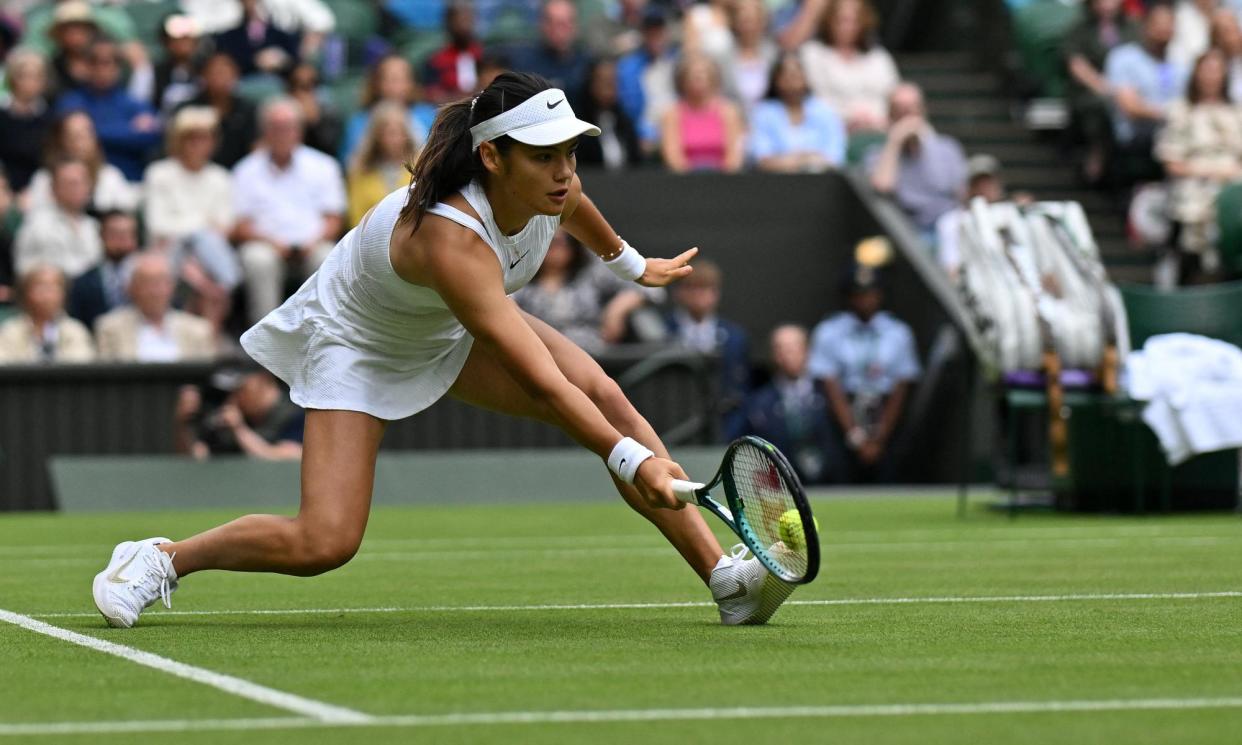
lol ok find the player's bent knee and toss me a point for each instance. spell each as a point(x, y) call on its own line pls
point(321, 551)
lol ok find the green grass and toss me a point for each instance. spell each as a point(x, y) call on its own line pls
point(429, 654)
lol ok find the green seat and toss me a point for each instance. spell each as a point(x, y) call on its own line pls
point(147, 18)
point(1039, 29)
point(418, 47)
point(860, 143)
point(356, 20)
point(1209, 310)
point(1229, 221)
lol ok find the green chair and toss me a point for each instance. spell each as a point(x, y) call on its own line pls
point(1229, 222)
point(1039, 28)
point(1209, 310)
point(356, 20)
point(1211, 479)
point(859, 145)
point(421, 46)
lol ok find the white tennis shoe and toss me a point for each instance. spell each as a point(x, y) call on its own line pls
point(137, 575)
point(747, 593)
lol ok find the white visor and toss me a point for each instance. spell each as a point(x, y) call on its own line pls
point(542, 119)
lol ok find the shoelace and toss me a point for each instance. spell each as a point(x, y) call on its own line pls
point(738, 552)
point(157, 569)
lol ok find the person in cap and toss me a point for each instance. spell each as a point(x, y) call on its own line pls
point(413, 304)
point(866, 360)
point(176, 74)
point(983, 180)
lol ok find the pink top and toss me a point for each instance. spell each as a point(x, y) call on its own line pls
point(702, 136)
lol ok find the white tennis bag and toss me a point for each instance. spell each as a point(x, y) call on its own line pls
point(1033, 280)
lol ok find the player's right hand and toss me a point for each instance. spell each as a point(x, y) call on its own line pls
point(654, 482)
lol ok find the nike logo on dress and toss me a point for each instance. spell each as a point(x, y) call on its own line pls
point(115, 576)
point(741, 591)
point(554, 105)
point(515, 261)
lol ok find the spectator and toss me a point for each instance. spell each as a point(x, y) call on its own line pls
point(695, 323)
point(148, 329)
point(617, 31)
point(983, 179)
point(390, 79)
point(379, 163)
point(102, 287)
point(1201, 150)
point(42, 332)
point(848, 69)
point(580, 297)
point(176, 79)
point(705, 30)
point(320, 121)
point(556, 55)
point(645, 78)
point(73, 138)
point(453, 70)
point(311, 19)
point(618, 144)
point(73, 31)
point(1192, 28)
point(491, 65)
point(1144, 83)
point(793, 131)
point(791, 411)
point(10, 218)
point(924, 170)
point(127, 127)
point(1227, 37)
point(255, 417)
point(258, 45)
point(24, 116)
point(188, 213)
point(866, 360)
point(61, 234)
point(703, 131)
point(237, 115)
point(1085, 50)
point(748, 70)
point(289, 201)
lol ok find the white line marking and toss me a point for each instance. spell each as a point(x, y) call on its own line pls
point(688, 604)
point(316, 710)
point(632, 715)
point(647, 548)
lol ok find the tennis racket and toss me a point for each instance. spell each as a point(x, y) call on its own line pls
point(760, 487)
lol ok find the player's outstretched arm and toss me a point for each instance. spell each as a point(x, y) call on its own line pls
point(583, 220)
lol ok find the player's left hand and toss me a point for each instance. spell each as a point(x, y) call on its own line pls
point(661, 272)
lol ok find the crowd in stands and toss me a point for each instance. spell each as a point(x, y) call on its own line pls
point(160, 192)
point(1155, 100)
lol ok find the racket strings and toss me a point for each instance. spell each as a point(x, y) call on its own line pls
point(766, 497)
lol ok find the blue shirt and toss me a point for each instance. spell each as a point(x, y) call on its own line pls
point(112, 113)
point(821, 130)
point(864, 357)
point(1160, 82)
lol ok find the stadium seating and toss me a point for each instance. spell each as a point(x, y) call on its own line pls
point(1229, 223)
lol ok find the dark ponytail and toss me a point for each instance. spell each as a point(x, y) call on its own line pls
point(447, 161)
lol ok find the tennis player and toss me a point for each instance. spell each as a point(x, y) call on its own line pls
point(413, 304)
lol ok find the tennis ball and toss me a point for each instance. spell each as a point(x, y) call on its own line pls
point(791, 530)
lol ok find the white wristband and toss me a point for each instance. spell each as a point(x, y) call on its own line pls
point(625, 458)
point(629, 264)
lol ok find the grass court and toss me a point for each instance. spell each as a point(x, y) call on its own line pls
point(576, 623)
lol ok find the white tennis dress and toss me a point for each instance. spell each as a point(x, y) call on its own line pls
point(356, 336)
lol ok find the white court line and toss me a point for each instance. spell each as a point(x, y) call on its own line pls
point(316, 710)
point(687, 604)
point(955, 536)
point(632, 715)
point(652, 548)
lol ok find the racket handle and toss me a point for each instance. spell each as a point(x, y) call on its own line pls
point(684, 490)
